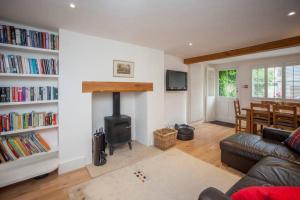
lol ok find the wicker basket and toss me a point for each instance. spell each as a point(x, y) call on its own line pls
point(165, 138)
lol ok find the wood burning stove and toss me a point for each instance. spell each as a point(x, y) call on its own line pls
point(117, 126)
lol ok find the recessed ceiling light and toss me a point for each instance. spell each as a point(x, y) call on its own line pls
point(72, 5)
point(291, 13)
point(190, 44)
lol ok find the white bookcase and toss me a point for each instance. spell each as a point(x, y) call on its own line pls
point(40, 163)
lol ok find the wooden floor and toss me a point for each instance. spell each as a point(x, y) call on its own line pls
point(205, 146)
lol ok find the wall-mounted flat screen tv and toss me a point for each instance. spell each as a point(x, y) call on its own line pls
point(176, 80)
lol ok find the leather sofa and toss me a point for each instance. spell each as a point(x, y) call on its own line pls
point(264, 159)
point(241, 151)
point(269, 171)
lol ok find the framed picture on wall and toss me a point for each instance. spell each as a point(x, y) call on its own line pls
point(123, 69)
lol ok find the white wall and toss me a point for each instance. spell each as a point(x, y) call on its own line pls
point(175, 101)
point(88, 58)
point(225, 109)
point(197, 92)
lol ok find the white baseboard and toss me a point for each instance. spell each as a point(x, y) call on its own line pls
point(70, 165)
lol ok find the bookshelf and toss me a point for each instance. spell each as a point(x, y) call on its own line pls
point(27, 49)
point(28, 159)
point(35, 165)
point(28, 75)
point(28, 103)
point(28, 130)
point(38, 163)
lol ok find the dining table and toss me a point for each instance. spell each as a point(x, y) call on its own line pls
point(248, 119)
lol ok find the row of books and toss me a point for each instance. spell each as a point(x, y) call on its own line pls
point(23, 65)
point(14, 147)
point(14, 121)
point(26, 94)
point(30, 38)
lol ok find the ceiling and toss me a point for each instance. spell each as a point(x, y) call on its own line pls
point(211, 25)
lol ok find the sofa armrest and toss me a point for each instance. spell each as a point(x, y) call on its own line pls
point(213, 194)
point(275, 134)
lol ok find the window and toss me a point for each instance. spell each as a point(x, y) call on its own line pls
point(292, 82)
point(274, 82)
point(227, 83)
point(258, 82)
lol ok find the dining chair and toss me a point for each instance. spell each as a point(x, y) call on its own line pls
point(296, 104)
point(269, 102)
point(260, 115)
point(238, 116)
point(285, 117)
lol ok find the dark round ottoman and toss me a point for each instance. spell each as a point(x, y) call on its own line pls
point(185, 132)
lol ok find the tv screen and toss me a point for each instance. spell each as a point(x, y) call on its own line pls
point(176, 80)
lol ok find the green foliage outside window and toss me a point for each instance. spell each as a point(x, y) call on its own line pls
point(227, 83)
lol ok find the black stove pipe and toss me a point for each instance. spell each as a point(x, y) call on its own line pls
point(116, 104)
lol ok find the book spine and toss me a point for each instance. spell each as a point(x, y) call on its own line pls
point(15, 148)
point(8, 34)
point(5, 37)
point(8, 149)
point(4, 151)
point(13, 35)
point(18, 36)
point(1, 34)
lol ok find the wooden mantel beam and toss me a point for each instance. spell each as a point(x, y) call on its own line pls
point(99, 86)
point(279, 44)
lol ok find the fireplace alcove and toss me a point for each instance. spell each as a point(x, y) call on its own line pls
point(119, 123)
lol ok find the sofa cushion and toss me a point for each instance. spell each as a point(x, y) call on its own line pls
point(255, 147)
point(276, 172)
point(275, 134)
point(294, 140)
point(213, 194)
point(246, 181)
point(269, 193)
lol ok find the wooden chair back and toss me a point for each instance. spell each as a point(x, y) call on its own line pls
point(260, 113)
point(296, 104)
point(269, 102)
point(285, 116)
point(237, 107)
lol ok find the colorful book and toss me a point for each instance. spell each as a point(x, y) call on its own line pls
point(42, 141)
point(14, 147)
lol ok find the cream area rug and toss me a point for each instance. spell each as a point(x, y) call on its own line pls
point(172, 175)
point(123, 157)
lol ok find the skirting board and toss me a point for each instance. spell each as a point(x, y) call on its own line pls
point(70, 165)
